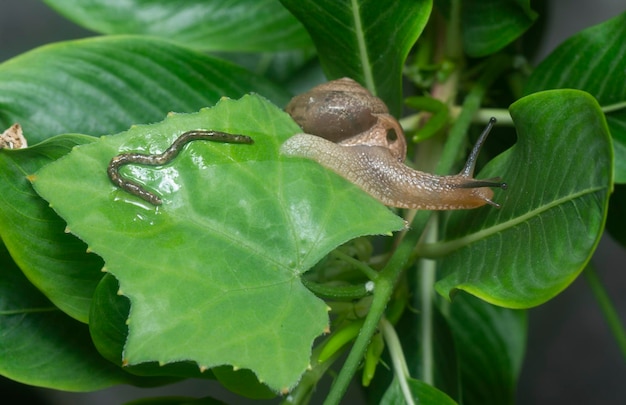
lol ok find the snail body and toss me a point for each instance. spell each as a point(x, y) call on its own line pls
point(373, 158)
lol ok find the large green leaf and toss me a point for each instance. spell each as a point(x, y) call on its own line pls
point(209, 25)
point(366, 40)
point(213, 274)
point(55, 262)
point(490, 343)
point(560, 176)
point(594, 60)
point(104, 85)
point(490, 25)
point(39, 345)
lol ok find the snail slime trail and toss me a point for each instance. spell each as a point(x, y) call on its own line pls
point(160, 159)
point(351, 132)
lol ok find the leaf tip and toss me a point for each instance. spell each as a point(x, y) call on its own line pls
point(104, 269)
point(284, 391)
point(124, 362)
point(203, 368)
point(32, 178)
point(67, 230)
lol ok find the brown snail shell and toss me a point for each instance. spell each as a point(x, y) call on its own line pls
point(345, 112)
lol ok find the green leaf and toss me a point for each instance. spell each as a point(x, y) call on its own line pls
point(39, 345)
point(490, 25)
point(490, 343)
point(353, 39)
point(104, 85)
point(55, 262)
point(594, 61)
point(559, 175)
point(213, 275)
point(421, 392)
point(208, 25)
point(108, 329)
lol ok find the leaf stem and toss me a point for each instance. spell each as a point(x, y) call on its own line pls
point(384, 286)
point(368, 76)
point(607, 308)
point(340, 293)
point(397, 359)
point(483, 116)
point(359, 265)
point(614, 107)
point(427, 275)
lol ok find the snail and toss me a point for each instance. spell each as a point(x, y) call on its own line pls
point(351, 132)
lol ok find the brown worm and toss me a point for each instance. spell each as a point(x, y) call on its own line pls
point(160, 159)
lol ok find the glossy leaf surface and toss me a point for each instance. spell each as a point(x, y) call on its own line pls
point(213, 274)
point(594, 60)
point(213, 25)
point(559, 175)
point(490, 343)
point(56, 263)
point(104, 85)
point(39, 345)
point(353, 39)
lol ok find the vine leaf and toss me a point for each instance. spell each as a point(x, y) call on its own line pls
point(560, 177)
point(213, 275)
point(263, 25)
point(353, 39)
point(593, 60)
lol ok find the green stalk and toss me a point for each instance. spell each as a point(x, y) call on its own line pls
point(383, 289)
point(607, 308)
point(427, 275)
point(398, 360)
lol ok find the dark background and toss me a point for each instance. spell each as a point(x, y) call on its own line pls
point(571, 355)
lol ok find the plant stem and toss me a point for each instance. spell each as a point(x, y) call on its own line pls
point(384, 286)
point(397, 358)
point(427, 275)
point(614, 107)
point(359, 265)
point(607, 308)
